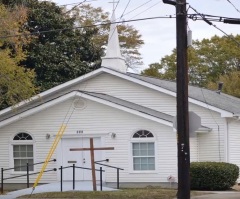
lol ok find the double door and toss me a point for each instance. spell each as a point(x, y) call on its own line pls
point(79, 158)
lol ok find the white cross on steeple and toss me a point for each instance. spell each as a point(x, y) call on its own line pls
point(113, 2)
point(113, 58)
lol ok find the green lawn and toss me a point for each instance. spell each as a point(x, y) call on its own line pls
point(147, 193)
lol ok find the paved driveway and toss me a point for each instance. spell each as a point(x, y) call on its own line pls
point(222, 195)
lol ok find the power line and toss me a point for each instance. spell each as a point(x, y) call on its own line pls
point(69, 4)
point(146, 10)
point(191, 16)
point(137, 8)
point(89, 26)
point(125, 8)
point(211, 24)
point(120, 17)
point(84, 1)
point(233, 6)
point(116, 6)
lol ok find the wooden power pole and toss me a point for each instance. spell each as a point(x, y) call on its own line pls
point(182, 100)
point(182, 103)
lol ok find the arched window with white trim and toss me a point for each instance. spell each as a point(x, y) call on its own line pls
point(22, 148)
point(143, 151)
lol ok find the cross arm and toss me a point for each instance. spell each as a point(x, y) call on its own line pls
point(88, 149)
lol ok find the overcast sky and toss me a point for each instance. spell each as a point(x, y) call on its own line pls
point(159, 35)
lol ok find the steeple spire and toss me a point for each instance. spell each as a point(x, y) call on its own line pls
point(113, 58)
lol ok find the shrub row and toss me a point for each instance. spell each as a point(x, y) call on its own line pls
point(213, 175)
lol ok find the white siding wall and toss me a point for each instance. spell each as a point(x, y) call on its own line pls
point(100, 119)
point(97, 119)
point(123, 89)
point(210, 145)
point(233, 142)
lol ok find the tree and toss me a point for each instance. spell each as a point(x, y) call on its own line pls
point(208, 60)
point(16, 82)
point(129, 37)
point(59, 56)
point(58, 52)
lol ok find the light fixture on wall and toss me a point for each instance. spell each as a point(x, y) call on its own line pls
point(48, 136)
point(113, 135)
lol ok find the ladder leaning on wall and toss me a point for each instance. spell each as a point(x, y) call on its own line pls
point(50, 153)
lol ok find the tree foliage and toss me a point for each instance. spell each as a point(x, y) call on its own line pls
point(16, 82)
point(61, 53)
point(210, 60)
point(129, 37)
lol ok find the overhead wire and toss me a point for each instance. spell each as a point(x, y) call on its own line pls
point(137, 8)
point(125, 9)
point(75, 6)
point(146, 10)
point(88, 26)
point(69, 4)
point(211, 24)
point(233, 6)
point(116, 6)
point(120, 16)
point(218, 126)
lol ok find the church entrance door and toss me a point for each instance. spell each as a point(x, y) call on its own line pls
point(79, 158)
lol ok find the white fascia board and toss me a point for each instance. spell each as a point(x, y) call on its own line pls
point(86, 96)
point(141, 82)
point(37, 109)
point(129, 110)
point(207, 106)
point(54, 89)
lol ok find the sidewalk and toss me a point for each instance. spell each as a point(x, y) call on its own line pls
point(220, 195)
point(54, 187)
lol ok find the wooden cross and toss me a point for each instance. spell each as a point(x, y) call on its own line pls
point(92, 149)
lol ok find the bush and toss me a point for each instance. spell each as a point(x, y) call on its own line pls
point(213, 175)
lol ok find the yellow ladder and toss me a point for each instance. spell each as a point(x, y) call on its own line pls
point(50, 153)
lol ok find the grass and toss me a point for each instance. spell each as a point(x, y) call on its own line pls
point(146, 193)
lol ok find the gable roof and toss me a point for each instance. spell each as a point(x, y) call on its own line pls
point(97, 97)
point(227, 105)
point(219, 100)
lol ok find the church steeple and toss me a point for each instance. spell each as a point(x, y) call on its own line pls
point(113, 58)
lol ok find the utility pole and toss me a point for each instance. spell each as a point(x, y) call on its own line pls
point(182, 100)
point(182, 103)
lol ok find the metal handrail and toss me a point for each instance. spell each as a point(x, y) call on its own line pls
point(53, 160)
point(27, 172)
point(97, 162)
point(74, 167)
point(109, 166)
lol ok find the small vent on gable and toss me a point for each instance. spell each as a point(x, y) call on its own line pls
point(79, 104)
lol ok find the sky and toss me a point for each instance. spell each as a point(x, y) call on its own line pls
point(159, 35)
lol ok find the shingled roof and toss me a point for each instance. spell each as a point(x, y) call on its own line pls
point(219, 100)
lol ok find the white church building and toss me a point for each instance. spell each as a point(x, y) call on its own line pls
point(130, 112)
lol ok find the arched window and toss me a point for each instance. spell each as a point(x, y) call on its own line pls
point(22, 136)
point(22, 152)
point(143, 151)
point(143, 134)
